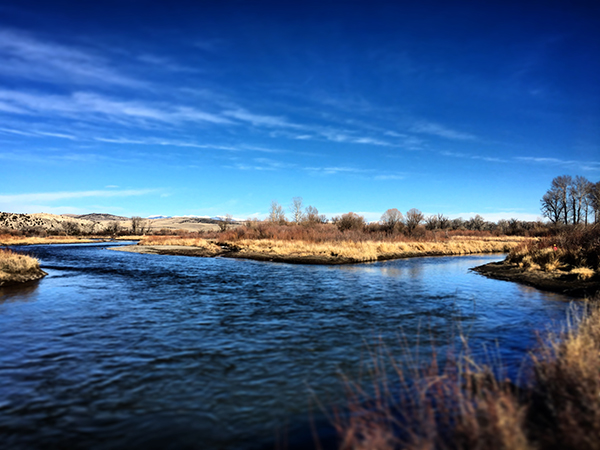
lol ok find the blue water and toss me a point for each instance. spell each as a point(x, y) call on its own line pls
point(122, 350)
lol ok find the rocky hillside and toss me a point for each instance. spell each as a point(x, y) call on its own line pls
point(48, 223)
point(96, 223)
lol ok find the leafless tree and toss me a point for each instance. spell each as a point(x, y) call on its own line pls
point(578, 192)
point(413, 218)
point(594, 200)
point(350, 221)
point(561, 186)
point(551, 206)
point(71, 228)
point(225, 222)
point(476, 223)
point(391, 219)
point(311, 215)
point(276, 213)
point(113, 228)
point(296, 210)
point(138, 225)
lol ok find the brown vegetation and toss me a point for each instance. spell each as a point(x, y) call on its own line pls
point(464, 405)
point(15, 268)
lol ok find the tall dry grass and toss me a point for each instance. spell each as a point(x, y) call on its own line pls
point(12, 264)
point(465, 405)
point(370, 250)
point(8, 239)
point(576, 250)
point(358, 251)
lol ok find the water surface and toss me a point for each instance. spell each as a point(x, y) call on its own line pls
point(121, 350)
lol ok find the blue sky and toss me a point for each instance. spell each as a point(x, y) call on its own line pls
point(137, 107)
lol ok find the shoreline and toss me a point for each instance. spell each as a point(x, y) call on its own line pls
point(561, 283)
point(22, 278)
point(235, 252)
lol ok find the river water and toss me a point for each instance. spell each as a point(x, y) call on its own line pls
point(122, 350)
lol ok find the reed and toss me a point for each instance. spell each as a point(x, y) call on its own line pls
point(13, 264)
point(575, 251)
point(465, 405)
point(7, 239)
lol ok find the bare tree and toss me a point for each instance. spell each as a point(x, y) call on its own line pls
point(138, 225)
point(561, 186)
point(413, 218)
point(113, 228)
point(594, 200)
point(225, 222)
point(296, 210)
point(552, 207)
point(71, 228)
point(431, 223)
point(391, 219)
point(578, 192)
point(476, 223)
point(350, 221)
point(276, 213)
point(443, 221)
point(311, 215)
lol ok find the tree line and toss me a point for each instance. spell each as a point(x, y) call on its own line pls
point(393, 221)
point(571, 200)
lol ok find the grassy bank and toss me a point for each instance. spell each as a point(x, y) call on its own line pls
point(338, 251)
point(7, 239)
point(464, 405)
point(568, 263)
point(16, 268)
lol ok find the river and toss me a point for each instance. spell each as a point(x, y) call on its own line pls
point(121, 350)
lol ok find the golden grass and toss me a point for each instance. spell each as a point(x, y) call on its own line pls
point(175, 240)
point(372, 251)
point(351, 250)
point(12, 264)
point(6, 239)
point(463, 405)
point(583, 273)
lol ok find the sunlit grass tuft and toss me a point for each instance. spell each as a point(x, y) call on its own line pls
point(465, 405)
point(12, 264)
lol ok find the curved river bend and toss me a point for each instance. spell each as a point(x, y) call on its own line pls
point(121, 350)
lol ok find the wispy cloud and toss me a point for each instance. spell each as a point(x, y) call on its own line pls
point(334, 170)
point(566, 163)
point(469, 156)
point(88, 105)
point(29, 57)
point(56, 196)
point(260, 120)
point(437, 129)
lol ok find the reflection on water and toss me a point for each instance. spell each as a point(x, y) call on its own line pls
point(26, 292)
point(124, 350)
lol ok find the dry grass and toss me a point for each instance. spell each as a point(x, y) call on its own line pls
point(177, 240)
point(12, 264)
point(576, 251)
point(7, 239)
point(358, 251)
point(463, 405)
point(583, 273)
point(370, 250)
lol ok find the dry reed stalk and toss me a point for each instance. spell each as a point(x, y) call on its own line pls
point(12, 263)
point(7, 239)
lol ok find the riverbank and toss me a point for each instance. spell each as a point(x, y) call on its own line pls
point(327, 253)
point(563, 282)
point(568, 263)
point(465, 404)
point(16, 268)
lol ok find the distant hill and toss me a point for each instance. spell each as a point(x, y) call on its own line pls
point(98, 222)
point(99, 217)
